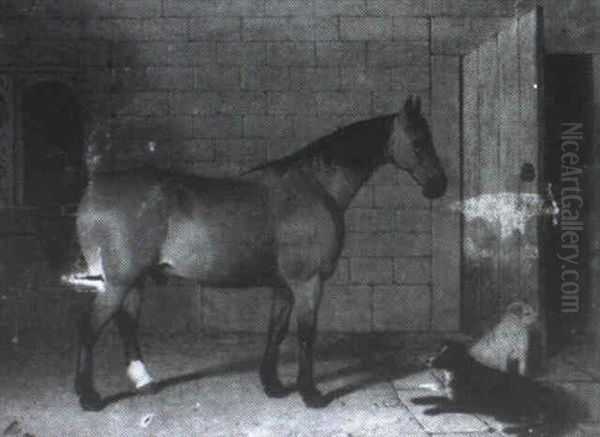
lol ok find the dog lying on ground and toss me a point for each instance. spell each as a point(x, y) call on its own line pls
point(525, 405)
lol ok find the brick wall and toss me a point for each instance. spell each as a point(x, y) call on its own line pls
point(222, 85)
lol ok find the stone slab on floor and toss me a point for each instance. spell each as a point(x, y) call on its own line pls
point(584, 358)
point(561, 370)
point(589, 394)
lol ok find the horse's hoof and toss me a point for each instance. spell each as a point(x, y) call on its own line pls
point(148, 389)
point(276, 390)
point(314, 399)
point(91, 401)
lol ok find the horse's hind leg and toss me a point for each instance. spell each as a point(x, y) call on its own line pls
point(127, 318)
point(103, 308)
point(283, 300)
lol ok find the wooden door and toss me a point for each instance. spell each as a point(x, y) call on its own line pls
point(502, 175)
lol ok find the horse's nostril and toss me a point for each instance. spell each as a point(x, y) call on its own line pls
point(435, 187)
point(444, 182)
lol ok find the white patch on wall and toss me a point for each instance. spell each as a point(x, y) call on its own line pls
point(504, 214)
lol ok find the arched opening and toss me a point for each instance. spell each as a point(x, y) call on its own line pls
point(52, 132)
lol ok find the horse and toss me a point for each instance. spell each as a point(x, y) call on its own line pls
point(280, 224)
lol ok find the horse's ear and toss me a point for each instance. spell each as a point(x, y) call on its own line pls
point(417, 102)
point(408, 106)
point(412, 106)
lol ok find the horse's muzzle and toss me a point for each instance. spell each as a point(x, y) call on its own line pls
point(435, 187)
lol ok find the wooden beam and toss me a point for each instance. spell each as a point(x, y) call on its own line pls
point(509, 150)
point(529, 145)
point(446, 228)
point(489, 240)
point(470, 188)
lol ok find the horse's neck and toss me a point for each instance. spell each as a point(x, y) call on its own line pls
point(343, 161)
point(341, 182)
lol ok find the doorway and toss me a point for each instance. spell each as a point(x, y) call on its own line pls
point(52, 129)
point(52, 132)
point(568, 158)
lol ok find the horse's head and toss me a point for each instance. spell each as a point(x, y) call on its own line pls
point(411, 149)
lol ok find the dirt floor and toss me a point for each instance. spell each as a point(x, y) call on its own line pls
point(210, 387)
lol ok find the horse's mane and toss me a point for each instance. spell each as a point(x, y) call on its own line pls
point(356, 145)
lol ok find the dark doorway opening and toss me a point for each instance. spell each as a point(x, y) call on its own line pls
point(53, 176)
point(567, 161)
point(52, 145)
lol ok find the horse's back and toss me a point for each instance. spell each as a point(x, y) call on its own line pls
point(211, 229)
point(222, 231)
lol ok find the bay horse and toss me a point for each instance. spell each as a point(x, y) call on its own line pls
point(280, 224)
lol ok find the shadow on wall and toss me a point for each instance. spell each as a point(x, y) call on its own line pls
point(49, 42)
point(121, 90)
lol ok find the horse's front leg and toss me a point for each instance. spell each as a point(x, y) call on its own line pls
point(103, 308)
point(127, 319)
point(308, 297)
point(283, 301)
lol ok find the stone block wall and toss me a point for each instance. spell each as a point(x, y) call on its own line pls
point(222, 85)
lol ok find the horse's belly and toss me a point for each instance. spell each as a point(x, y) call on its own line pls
point(214, 253)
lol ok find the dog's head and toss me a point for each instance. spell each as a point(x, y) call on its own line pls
point(453, 355)
point(524, 313)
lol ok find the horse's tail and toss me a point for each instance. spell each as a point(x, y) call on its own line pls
point(56, 228)
point(98, 151)
point(55, 221)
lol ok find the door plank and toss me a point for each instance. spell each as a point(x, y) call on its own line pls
point(471, 183)
point(529, 137)
point(508, 118)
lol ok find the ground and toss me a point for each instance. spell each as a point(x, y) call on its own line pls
point(210, 387)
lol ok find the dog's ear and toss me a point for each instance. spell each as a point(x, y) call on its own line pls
point(516, 308)
point(455, 344)
point(520, 309)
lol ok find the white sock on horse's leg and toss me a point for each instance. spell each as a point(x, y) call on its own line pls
point(136, 371)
